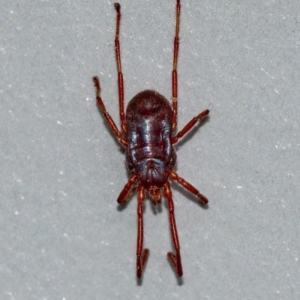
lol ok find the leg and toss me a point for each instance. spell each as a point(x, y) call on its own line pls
point(127, 192)
point(141, 255)
point(107, 116)
point(119, 66)
point(188, 186)
point(190, 125)
point(174, 72)
point(174, 259)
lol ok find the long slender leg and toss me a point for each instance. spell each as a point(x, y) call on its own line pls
point(188, 186)
point(174, 258)
point(127, 191)
point(106, 115)
point(190, 125)
point(141, 255)
point(119, 66)
point(174, 72)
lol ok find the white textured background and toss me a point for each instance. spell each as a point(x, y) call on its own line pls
point(62, 235)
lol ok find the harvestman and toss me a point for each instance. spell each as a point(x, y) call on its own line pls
point(146, 133)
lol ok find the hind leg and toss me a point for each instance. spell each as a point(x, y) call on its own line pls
point(141, 255)
point(175, 259)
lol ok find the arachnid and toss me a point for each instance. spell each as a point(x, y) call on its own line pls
point(148, 134)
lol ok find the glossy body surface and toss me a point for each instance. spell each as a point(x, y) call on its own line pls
point(148, 134)
point(149, 153)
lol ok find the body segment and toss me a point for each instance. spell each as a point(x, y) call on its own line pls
point(149, 153)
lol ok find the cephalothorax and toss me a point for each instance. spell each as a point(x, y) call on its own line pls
point(147, 133)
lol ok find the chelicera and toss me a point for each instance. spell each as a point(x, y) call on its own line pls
point(148, 134)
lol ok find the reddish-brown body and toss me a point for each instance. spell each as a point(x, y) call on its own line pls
point(147, 133)
point(149, 151)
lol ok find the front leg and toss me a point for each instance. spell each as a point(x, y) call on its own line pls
point(127, 191)
point(190, 125)
point(174, 259)
point(107, 116)
point(188, 186)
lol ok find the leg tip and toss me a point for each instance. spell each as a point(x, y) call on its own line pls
point(117, 7)
point(202, 198)
point(203, 115)
point(176, 263)
point(96, 82)
point(141, 263)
